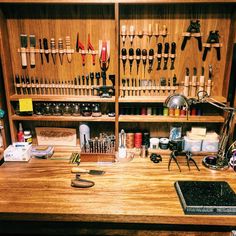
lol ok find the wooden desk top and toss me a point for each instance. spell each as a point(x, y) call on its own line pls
point(135, 192)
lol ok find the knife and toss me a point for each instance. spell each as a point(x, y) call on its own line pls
point(209, 81)
point(86, 171)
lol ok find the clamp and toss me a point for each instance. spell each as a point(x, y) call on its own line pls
point(212, 41)
point(193, 30)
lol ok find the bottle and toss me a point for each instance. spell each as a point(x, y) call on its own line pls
point(27, 137)
point(20, 134)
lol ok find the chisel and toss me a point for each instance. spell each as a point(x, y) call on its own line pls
point(32, 50)
point(23, 41)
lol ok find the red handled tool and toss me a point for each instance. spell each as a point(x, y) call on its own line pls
point(80, 46)
point(90, 47)
point(104, 54)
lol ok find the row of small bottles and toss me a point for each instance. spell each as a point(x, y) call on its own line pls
point(24, 135)
point(161, 111)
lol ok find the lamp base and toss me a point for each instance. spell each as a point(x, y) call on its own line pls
point(213, 163)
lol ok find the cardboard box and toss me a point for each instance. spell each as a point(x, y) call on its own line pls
point(18, 152)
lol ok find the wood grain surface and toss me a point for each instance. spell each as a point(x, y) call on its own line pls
point(134, 192)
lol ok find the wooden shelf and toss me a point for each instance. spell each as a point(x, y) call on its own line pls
point(191, 119)
point(104, 118)
point(156, 99)
point(62, 98)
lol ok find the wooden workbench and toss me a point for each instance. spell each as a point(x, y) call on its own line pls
point(135, 198)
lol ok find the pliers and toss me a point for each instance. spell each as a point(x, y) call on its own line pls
point(189, 158)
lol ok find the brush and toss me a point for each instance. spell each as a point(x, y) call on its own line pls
point(85, 171)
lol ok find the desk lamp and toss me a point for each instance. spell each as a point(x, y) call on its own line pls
point(218, 161)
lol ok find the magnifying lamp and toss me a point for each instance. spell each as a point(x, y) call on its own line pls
point(218, 161)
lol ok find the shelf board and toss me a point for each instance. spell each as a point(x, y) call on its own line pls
point(156, 99)
point(104, 118)
point(160, 119)
point(62, 98)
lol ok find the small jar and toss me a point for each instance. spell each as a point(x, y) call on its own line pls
point(86, 110)
point(75, 109)
point(164, 143)
point(27, 137)
point(96, 110)
point(67, 109)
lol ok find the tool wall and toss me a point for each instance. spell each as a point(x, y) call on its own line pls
point(127, 58)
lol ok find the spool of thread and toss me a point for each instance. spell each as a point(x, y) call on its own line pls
point(154, 143)
point(154, 111)
point(149, 111)
point(165, 111)
point(164, 143)
point(138, 140)
point(146, 139)
point(143, 111)
point(171, 111)
point(130, 140)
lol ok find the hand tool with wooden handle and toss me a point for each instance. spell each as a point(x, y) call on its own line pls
point(209, 81)
point(144, 59)
point(86, 171)
point(23, 41)
point(166, 55)
point(172, 55)
point(32, 50)
point(131, 59)
point(131, 33)
point(186, 83)
point(194, 83)
point(138, 57)
point(123, 58)
point(159, 55)
point(123, 33)
point(150, 59)
point(45, 46)
point(201, 84)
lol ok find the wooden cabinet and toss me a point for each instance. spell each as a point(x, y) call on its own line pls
point(57, 79)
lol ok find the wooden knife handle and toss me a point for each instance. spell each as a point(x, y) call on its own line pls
point(79, 170)
point(82, 183)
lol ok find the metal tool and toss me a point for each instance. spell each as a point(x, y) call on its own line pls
point(17, 84)
point(81, 183)
point(90, 47)
point(131, 59)
point(60, 50)
point(209, 81)
point(123, 33)
point(92, 82)
point(172, 55)
point(194, 83)
point(144, 59)
point(85, 171)
point(122, 148)
point(80, 48)
point(104, 54)
point(186, 82)
point(159, 55)
point(45, 47)
point(138, 58)
point(41, 50)
point(201, 84)
point(166, 55)
point(23, 42)
point(131, 33)
point(28, 84)
point(190, 159)
point(194, 27)
point(53, 50)
point(213, 38)
point(32, 50)
point(124, 58)
point(150, 59)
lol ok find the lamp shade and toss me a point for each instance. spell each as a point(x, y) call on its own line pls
point(176, 100)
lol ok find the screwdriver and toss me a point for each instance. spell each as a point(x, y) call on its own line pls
point(138, 57)
point(123, 58)
point(131, 59)
point(144, 59)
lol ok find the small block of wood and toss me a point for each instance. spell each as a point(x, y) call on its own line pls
point(97, 157)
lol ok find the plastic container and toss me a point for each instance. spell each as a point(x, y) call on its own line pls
point(192, 145)
point(210, 145)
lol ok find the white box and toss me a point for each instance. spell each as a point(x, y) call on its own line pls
point(17, 153)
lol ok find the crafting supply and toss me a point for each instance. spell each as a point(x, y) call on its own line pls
point(60, 50)
point(85, 171)
point(53, 50)
point(45, 47)
point(20, 134)
point(130, 140)
point(122, 148)
point(154, 143)
point(27, 137)
point(146, 139)
point(32, 50)
point(23, 42)
point(144, 151)
point(143, 111)
point(138, 140)
point(165, 111)
point(164, 143)
point(84, 131)
point(192, 145)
